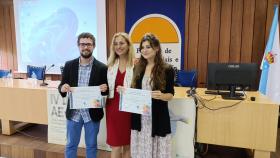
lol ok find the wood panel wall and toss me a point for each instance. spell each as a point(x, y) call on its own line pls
point(216, 31)
point(8, 57)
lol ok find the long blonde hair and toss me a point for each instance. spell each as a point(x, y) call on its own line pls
point(130, 54)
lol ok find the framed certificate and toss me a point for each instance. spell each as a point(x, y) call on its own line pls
point(136, 101)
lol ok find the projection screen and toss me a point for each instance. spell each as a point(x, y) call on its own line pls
point(47, 30)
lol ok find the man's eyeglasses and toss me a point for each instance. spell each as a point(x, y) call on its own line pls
point(85, 44)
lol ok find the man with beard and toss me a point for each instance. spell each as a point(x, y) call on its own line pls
point(79, 72)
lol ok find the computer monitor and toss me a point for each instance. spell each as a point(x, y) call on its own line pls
point(232, 77)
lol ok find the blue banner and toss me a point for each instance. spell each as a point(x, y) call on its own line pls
point(165, 19)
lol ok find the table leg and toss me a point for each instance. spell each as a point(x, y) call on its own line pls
point(261, 154)
point(7, 127)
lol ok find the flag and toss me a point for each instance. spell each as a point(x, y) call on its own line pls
point(270, 66)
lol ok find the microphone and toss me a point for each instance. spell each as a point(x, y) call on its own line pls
point(44, 83)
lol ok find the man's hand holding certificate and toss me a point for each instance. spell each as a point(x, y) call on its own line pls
point(136, 101)
point(86, 97)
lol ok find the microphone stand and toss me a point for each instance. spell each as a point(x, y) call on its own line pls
point(44, 83)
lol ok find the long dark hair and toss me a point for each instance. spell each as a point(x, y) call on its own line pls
point(158, 81)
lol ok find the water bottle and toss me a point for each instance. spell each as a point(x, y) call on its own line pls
point(10, 78)
point(34, 79)
point(33, 75)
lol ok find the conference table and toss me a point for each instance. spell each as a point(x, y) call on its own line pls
point(244, 124)
point(22, 100)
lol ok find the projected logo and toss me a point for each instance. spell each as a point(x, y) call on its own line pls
point(167, 32)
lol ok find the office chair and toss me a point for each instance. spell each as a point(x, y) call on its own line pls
point(186, 78)
point(4, 73)
point(39, 71)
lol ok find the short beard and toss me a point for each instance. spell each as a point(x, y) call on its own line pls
point(86, 56)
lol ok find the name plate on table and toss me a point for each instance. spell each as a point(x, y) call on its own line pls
point(86, 97)
point(136, 101)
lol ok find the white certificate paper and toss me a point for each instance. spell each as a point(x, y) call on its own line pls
point(86, 97)
point(136, 101)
